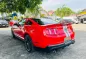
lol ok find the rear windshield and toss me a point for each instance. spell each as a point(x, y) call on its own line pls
point(67, 19)
point(45, 21)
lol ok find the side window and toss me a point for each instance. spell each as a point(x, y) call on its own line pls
point(38, 21)
point(22, 22)
point(84, 19)
point(29, 23)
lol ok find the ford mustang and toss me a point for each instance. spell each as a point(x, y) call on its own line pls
point(44, 33)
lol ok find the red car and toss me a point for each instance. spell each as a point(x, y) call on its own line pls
point(12, 22)
point(43, 33)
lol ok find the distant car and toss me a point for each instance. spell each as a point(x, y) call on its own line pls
point(43, 33)
point(12, 22)
point(74, 19)
point(3, 23)
point(84, 21)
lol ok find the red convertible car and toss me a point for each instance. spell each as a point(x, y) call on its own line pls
point(43, 33)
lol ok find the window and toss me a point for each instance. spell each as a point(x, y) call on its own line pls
point(22, 22)
point(45, 21)
point(84, 19)
point(29, 23)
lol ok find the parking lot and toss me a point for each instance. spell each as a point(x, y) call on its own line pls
point(14, 49)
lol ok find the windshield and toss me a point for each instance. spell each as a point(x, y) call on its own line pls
point(45, 21)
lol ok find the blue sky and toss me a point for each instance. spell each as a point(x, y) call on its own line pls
point(73, 4)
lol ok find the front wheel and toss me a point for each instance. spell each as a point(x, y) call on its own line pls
point(13, 35)
point(28, 44)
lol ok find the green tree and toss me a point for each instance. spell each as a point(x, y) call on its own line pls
point(34, 11)
point(64, 11)
point(2, 7)
point(19, 5)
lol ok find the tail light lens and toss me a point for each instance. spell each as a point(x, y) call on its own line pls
point(50, 32)
point(71, 28)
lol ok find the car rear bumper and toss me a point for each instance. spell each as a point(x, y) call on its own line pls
point(60, 45)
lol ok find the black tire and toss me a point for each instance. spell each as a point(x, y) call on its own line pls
point(77, 23)
point(28, 44)
point(13, 35)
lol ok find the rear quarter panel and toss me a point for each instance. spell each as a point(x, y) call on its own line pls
point(34, 32)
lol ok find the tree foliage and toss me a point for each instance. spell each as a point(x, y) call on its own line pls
point(64, 11)
point(35, 11)
point(19, 5)
point(2, 7)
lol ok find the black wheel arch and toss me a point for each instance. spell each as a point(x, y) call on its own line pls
point(28, 35)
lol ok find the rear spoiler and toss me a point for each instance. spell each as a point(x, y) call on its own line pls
point(65, 22)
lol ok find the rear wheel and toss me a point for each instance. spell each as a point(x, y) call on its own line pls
point(28, 44)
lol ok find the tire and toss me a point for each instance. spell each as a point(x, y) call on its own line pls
point(13, 35)
point(28, 44)
point(77, 23)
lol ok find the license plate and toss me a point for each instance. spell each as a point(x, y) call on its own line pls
point(3, 25)
point(67, 40)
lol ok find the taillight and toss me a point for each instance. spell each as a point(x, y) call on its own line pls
point(71, 27)
point(50, 32)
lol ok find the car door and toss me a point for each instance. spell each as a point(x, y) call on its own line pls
point(26, 26)
point(21, 32)
point(21, 29)
point(15, 29)
point(29, 27)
